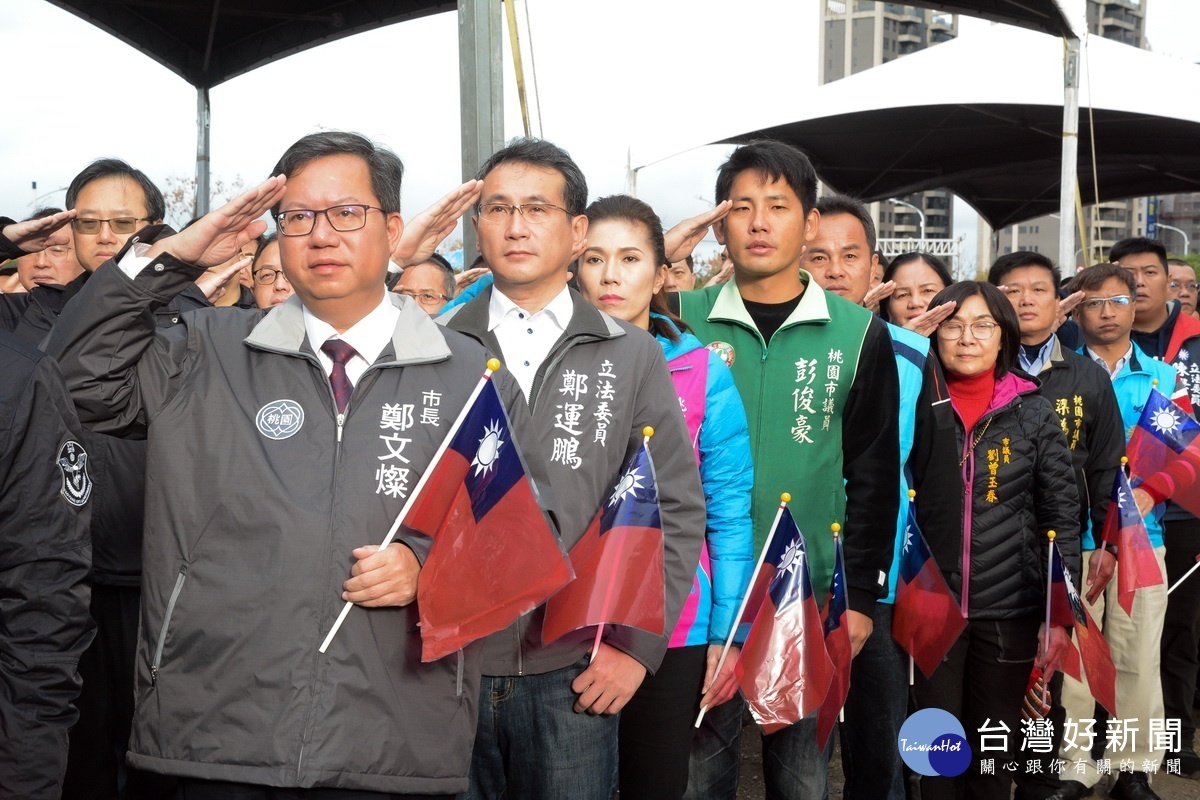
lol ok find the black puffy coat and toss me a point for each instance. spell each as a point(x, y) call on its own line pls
point(995, 524)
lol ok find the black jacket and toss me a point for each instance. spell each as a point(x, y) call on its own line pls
point(1082, 396)
point(1002, 520)
point(45, 504)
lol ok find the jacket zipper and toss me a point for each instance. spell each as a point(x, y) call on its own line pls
point(968, 475)
point(166, 623)
point(458, 686)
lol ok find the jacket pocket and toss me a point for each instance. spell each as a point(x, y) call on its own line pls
point(166, 623)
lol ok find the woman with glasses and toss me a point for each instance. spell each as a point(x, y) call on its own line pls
point(622, 272)
point(993, 475)
point(271, 286)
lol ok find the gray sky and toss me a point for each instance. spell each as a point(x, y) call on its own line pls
point(611, 75)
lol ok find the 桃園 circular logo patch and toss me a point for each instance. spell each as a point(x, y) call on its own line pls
point(279, 419)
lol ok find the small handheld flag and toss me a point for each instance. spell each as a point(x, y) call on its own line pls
point(1137, 566)
point(1066, 610)
point(618, 561)
point(1164, 453)
point(784, 670)
point(926, 620)
point(837, 643)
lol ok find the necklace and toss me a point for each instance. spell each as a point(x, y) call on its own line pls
point(978, 439)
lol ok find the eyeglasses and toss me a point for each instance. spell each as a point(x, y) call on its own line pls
point(980, 329)
point(343, 219)
point(424, 296)
point(533, 213)
point(267, 277)
point(57, 251)
point(116, 225)
point(1193, 285)
point(1098, 303)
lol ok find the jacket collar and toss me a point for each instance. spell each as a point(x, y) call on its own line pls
point(813, 305)
point(417, 338)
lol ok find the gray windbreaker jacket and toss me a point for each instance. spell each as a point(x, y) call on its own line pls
point(255, 498)
point(601, 384)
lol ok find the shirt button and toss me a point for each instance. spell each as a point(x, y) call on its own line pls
point(158, 267)
point(530, 330)
point(526, 363)
point(520, 315)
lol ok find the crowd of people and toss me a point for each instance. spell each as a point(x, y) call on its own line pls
point(195, 474)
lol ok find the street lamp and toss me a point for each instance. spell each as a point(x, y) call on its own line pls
point(1186, 240)
point(920, 213)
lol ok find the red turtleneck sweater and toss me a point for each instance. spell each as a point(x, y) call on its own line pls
point(971, 394)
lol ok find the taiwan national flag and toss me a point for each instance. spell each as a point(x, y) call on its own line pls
point(926, 620)
point(1164, 454)
point(618, 562)
point(494, 555)
point(1067, 609)
point(784, 669)
point(1137, 566)
point(837, 643)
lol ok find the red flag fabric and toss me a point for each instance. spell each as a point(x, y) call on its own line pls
point(479, 507)
point(1066, 609)
point(926, 620)
point(837, 643)
point(1137, 566)
point(784, 669)
point(618, 562)
point(1164, 452)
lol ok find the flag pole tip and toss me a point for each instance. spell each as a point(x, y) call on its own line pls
point(912, 493)
point(1051, 535)
point(1154, 382)
point(785, 498)
point(836, 529)
point(647, 431)
point(493, 364)
point(1124, 460)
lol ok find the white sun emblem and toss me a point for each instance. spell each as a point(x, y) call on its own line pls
point(791, 557)
point(1165, 421)
point(908, 537)
point(628, 485)
point(489, 448)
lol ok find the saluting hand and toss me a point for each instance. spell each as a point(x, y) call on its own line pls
point(219, 235)
point(31, 236)
point(424, 232)
point(682, 239)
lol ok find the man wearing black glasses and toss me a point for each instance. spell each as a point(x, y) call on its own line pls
point(329, 407)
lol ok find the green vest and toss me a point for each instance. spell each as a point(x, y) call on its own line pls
point(795, 393)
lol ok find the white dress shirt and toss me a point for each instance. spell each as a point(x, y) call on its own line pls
point(525, 339)
point(368, 337)
point(1120, 365)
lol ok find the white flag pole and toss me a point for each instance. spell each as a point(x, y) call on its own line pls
point(492, 365)
point(784, 499)
point(1049, 593)
point(1186, 575)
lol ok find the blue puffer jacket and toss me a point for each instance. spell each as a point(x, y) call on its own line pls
point(727, 474)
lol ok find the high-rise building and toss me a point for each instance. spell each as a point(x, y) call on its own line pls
point(1106, 223)
point(857, 35)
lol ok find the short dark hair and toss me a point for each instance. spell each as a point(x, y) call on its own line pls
point(774, 160)
point(1136, 245)
point(156, 207)
point(1001, 310)
point(264, 241)
point(915, 256)
point(1022, 258)
point(1092, 278)
point(541, 153)
point(630, 209)
point(42, 213)
point(385, 167)
point(691, 262)
point(447, 269)
point(832, 204)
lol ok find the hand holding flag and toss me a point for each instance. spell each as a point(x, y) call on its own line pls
point(1065, 609)
point(1164, 452)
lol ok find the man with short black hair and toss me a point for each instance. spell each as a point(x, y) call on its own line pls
point(547, 723)
point(252, 547)
point(681, 275)
point(1162, 331)
point(430, 284)
point(818, 378)
point(55, 265)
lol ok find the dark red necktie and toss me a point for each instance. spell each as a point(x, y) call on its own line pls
point(340, 352)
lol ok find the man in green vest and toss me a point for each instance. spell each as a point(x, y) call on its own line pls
point(818, 379)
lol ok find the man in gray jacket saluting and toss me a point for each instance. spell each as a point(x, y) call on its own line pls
point(280, 445)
